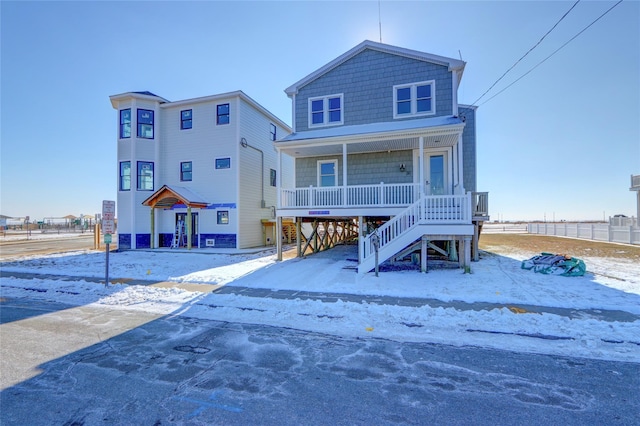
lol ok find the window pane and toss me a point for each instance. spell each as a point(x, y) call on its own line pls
point(424, 91)
point(424, 105)
point(223, 109)
point(223, 163)
point(186, 124)
point(125, 176)
point(334, 116)
point(125, 116)
point(403, 94)
point(334, 103)
point(327, 168)
point(145, 116)
point(186, 176)
point(145, 131)
point(317, 118)
point(317, 105)
point(328, 181)
point(186, 114)
point(404, 108)
point(145, 176)
point(186, 166)
point(125, 130)
point(223, 217)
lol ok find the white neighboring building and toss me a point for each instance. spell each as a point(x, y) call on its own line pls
point(209, 162)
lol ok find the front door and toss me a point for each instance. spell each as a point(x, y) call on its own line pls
point(194, 226)
point(436, 173)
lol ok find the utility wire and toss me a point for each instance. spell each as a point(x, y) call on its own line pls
point(554, 52)
point(529, 51)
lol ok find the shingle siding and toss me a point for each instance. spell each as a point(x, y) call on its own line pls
point(363, 169)
point(469, 147)
point(367, 81)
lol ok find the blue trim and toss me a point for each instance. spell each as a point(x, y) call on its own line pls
point(222, 240)
point(124, 241)
point(143, 241)
point(209, 207)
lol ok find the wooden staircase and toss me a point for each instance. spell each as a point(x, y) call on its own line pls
point(441, 217)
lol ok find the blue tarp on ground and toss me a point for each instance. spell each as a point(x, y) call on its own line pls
point(555, 264)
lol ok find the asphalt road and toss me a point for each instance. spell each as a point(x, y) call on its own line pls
point(12, 249)
point(91, 365)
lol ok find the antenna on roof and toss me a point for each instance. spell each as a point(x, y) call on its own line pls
point(379, 22)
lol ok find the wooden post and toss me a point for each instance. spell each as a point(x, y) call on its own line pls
point(153, 228)
point(279, 236)
point(423, 254)
point(299, 235)
point(189, 228)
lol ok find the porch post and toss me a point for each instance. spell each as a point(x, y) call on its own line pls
point(279, 236)
point(421, 164)
point(460, 164)
point(279, 179)
point(153, 227)
point(189, 228)
point(344, 174)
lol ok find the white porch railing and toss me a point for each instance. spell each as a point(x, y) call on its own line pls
point(428, 210)
point(380, 195)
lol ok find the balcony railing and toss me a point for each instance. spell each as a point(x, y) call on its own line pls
point(381, 195)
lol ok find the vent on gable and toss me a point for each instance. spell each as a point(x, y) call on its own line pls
point(210, 242)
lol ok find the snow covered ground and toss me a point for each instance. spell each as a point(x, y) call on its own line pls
point(609, 285)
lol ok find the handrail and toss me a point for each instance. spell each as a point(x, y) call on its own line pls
point(433, 209)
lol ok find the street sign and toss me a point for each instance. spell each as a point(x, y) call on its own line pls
point(107, 238)
point(108, 217)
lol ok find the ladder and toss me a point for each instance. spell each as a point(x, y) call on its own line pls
point(180, 236)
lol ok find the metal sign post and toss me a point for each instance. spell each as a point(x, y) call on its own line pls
point(108, 228)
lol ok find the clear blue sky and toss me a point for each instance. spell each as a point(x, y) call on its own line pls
point(560, 143)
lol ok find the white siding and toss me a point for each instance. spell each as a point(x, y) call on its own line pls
point(201, 145)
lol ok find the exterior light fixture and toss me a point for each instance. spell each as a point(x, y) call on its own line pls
point(402, 167)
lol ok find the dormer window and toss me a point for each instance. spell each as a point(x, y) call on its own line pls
point(325, 111)
point(414, 99)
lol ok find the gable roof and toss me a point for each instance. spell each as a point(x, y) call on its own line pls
point(168, 196)
point(452, 64)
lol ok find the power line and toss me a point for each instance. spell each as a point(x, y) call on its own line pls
point(554, 52)
point(529, 51)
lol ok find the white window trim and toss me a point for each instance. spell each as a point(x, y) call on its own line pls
point(325, 111)
point(319, 168)
point(414, 106)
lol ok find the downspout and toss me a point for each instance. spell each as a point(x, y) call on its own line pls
point(244, 144)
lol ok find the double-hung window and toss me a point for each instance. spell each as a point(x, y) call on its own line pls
point(222, 114)
point(326, 111)
point(186, 120)
point(186, 171)
point(327, 172)
point(125, 175)
point(145, 123)
point(125, 123)
point(414, 99)
point(145, 176)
